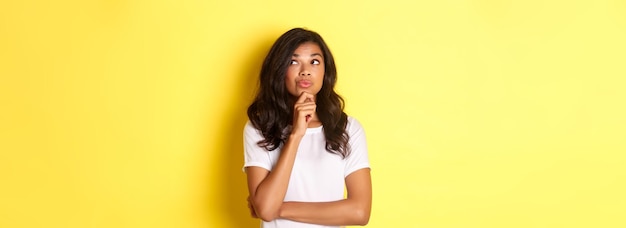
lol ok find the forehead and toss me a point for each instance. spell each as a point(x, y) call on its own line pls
point(308, 49)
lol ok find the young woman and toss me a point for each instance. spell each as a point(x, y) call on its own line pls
point(301, 149)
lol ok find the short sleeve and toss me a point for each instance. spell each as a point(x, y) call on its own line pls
point(254, 155)
point(358, 158)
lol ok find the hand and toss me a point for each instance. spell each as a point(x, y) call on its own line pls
point(303, 112)
point(252, 212)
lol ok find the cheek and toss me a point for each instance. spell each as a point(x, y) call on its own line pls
point(289, 78)
point(291, 73)
point(321, 75)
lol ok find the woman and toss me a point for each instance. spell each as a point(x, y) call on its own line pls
point(301, 149)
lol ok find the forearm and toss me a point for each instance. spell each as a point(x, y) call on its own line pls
point(336, 213)
point(269, 195)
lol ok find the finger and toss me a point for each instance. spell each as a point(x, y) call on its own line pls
point(305, 104)
point(305, 97)
point(305, 109)
point(301, 98)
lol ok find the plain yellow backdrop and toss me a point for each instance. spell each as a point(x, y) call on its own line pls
point(478, 113)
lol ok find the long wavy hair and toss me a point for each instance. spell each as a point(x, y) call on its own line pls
point(271, 112)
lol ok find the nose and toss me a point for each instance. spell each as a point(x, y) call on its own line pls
point(305, 71)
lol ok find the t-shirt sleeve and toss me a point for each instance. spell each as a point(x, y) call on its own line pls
point(254, 155)
point(358, 157)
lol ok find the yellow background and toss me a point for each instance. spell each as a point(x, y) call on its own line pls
point(479, 113)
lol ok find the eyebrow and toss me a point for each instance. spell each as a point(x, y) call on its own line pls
point(314, 54)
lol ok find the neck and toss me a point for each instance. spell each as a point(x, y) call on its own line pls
point(314, 122)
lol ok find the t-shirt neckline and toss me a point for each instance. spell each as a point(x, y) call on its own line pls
point(314, 129)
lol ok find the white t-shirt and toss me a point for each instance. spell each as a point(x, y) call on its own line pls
point(317, 175)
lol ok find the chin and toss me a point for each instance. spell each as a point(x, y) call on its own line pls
point(299, 91)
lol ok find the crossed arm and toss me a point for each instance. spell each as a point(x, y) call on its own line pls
point(354, 210)
point(268, 189)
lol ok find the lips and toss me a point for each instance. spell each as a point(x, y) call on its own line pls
point(304, 83)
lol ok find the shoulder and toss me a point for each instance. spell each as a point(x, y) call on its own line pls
point(249, 127)
point(250, 131)
point(353, 125)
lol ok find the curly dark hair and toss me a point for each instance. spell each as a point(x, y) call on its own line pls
point(271, 112)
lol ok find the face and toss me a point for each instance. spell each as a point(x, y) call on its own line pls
point(306, 70)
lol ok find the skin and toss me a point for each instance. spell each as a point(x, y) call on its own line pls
point(304, 79)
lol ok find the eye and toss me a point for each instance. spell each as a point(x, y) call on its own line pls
point(293, 62)
point(315, 62)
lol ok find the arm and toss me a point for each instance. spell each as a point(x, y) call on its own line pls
point(355, 210)
point(268, 189)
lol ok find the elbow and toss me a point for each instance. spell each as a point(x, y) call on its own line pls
point(267, 215)
point(361, 217)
